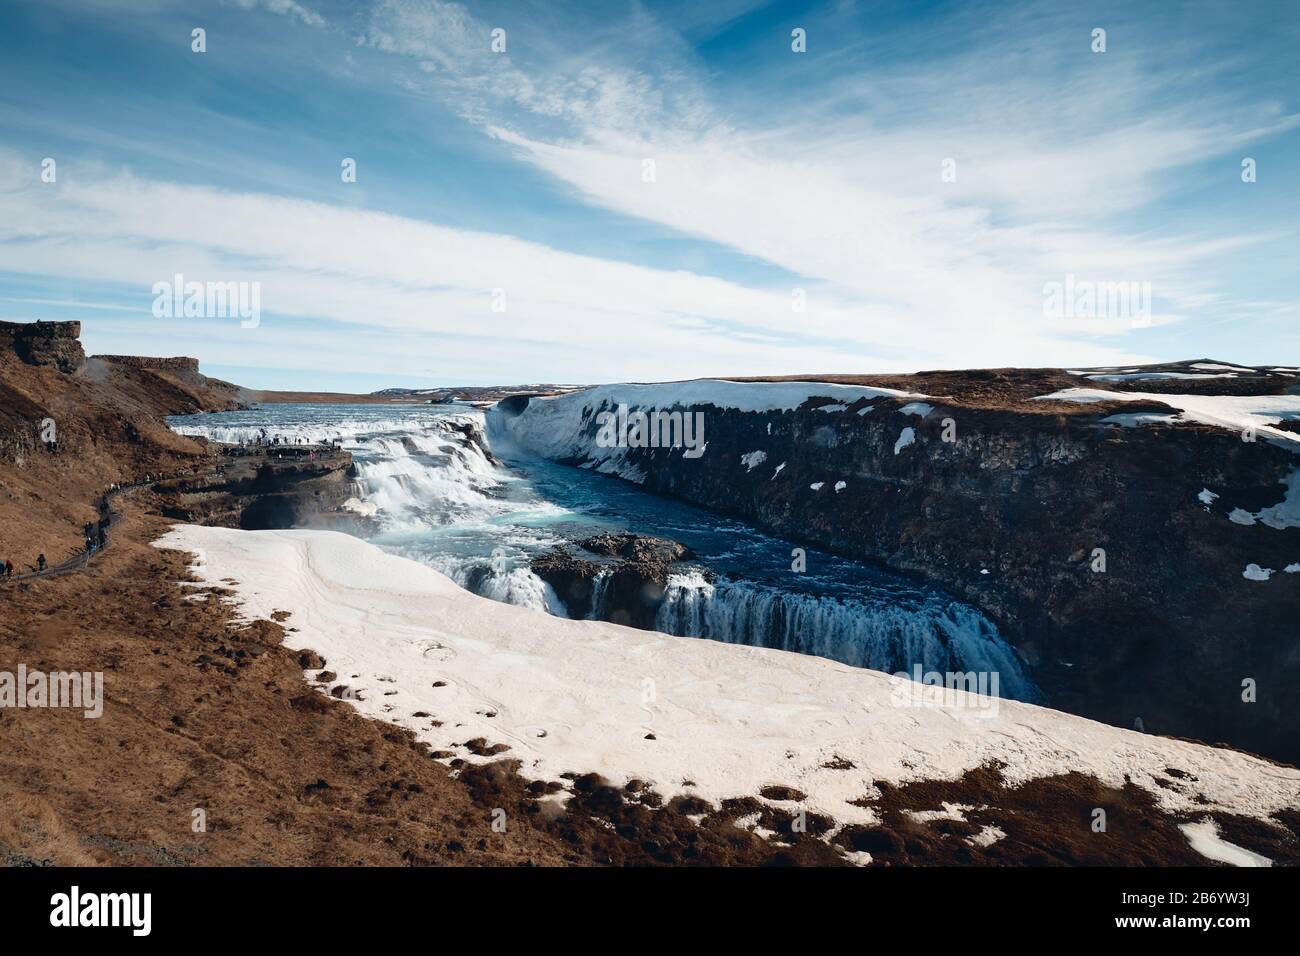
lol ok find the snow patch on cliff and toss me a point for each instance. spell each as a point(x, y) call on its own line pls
point(1284, 514)
point(564, 426)
point(1155, 376)
point(1235, 412)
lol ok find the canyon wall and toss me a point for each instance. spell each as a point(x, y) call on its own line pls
point(1105, 553)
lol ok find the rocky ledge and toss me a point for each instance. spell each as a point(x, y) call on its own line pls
point(264, 489)
point(622, 581)
point(53, 344)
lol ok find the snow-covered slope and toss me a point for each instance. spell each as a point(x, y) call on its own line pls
point(690, 716)
point(1262, 413)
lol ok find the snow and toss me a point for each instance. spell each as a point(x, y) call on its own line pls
point(1284, 514)
point(1235, 412)
point(1154, 376)
point(840, 486)
point(777, 472)
point(753, 459)
point(1138, 418)
point(563, 427)
point(731, 718)
point(553, 426)
point(917, 408)
point(1292, 569)
point(1213, 367)
point(817, 485)
point(743, 396)
point(1205, 840)
point(1254, 572)
point(906, 437)
point(987, 837)
point(1206, 497)
point(950, 811)
point(866, 408)
point(839, 407)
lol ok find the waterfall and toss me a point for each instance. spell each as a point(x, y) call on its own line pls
point(501, 578)
point(940, 635)
point(438, 495)
point(599, 596)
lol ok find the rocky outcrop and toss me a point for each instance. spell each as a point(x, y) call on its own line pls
point(267, 489)
point(179, 363)
point(624, 582)
point(71, 426)
point(53, 344)
point(1116, 559)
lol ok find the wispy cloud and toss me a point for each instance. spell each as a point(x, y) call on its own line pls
point(800, 199)
point(288, 8)
point(1049, 145)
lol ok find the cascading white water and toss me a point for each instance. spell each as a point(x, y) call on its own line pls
point(939, 635)
point(599, 595)
point(501, 578)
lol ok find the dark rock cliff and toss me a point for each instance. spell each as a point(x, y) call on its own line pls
point(632, 570)
point(53, 344)
point(178, 363)
point(266, 489)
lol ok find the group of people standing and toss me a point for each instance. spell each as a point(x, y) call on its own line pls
point(7, 567)
point(95, 534)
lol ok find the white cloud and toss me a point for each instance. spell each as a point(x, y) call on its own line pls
point(1051, 145)
point(839, 186)
point(286, 8)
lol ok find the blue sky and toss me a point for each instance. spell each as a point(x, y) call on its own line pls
point(779, 178)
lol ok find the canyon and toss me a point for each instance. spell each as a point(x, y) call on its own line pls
point(1105, 537)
